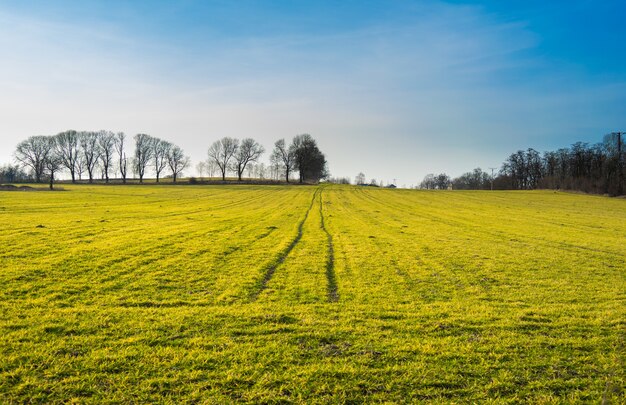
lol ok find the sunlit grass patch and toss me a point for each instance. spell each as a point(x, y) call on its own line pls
point(161, 294)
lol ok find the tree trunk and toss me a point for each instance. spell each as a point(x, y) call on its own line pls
point(51, 180)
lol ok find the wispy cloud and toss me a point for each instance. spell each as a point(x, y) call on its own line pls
point(419, 88)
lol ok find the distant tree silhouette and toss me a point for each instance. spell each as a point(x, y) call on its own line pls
point(360, 178)
point(68, 148)
point(309, 160)
point(90, 151)
point(143, 154)
point(442, 181)
point(14, 174)
point(53, 160)
point(594, 168)
point(285, 155)
point(120, 139)
point(32, 153)
point(221, 153)
point(474, 180)
point(160, 149)
point(106, 144)
point(177, 161)
point(249, 151)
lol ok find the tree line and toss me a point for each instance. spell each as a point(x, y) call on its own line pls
point(89, 152)
point(592, 168)
point(104, 154)
point(302, 155)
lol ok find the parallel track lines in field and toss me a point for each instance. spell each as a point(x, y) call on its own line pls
point(190, 231)
point(332, 289)
point(380, 251)
point(249, 228)
point(269, 271)
point(333, 293)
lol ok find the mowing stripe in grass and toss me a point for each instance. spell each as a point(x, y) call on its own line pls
point(333, 294)
point(269, 271)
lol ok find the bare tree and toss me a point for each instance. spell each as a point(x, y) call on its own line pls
point(106, 144)
point(222, 151)
point(143, 154)
point(177, 161)
point(160, 149)
point(53, 161)
point(249, 151)
point(90, 151)
point(101, 167)
point(275, 164)
point(32, 153)
point(429, 182)
point(286, 156)
point(360, 178)
point(261, 170)
point(120, 137)
point(201, 168)
point(80, 166)
point(250, 170)
point(67, 148)
point(211, 168)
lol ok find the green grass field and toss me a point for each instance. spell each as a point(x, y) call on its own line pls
point(268, 294)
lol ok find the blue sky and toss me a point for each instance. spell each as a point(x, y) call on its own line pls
point(396, 89)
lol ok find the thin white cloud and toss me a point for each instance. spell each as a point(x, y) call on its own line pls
point(432, 90)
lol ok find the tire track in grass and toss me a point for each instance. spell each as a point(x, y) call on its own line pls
point(333, 293)
point(269, 271)
point(350, 207)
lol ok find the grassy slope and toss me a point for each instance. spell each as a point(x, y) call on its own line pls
point(199, 294)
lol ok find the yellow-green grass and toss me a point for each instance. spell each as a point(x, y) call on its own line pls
point(216, 294)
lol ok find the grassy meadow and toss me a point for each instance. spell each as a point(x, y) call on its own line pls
point(276, 294)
